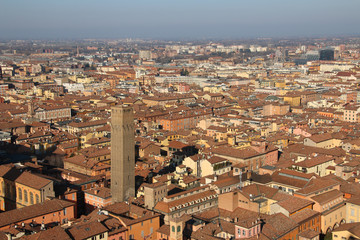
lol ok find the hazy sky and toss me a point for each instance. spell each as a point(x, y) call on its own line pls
point(171, 19)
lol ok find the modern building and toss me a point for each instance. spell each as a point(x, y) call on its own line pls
point(326, 54)
point(122, 153)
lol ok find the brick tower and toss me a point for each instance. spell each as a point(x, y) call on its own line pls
point(122, 153)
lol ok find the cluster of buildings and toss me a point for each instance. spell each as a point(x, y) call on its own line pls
point(181, 141)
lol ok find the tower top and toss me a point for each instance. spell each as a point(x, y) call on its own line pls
point(121, 107)
point(121, 113)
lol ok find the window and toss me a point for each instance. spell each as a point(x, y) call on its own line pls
point(64, 211)
point(151, 230)
point(352, 212)
point(173, 228)
point(142, 234)
point(31, 198)
point(20, 193)
point(37, 198)
point(25, 196)
point(178, 229)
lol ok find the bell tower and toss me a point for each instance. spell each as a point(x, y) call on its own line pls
point(176, 229)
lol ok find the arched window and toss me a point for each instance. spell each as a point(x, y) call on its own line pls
point(37, 198)
point(25, 196)
point(31, 198)
point(178, 229)
point(20, 194)
point(173, 228)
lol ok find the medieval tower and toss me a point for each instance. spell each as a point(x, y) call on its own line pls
point(122, 153)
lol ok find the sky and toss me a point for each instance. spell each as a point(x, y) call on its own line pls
point(177, 19)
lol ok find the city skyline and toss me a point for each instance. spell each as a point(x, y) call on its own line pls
point(177, 20)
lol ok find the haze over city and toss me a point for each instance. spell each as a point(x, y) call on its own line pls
point(180, 120)
point(186, 19)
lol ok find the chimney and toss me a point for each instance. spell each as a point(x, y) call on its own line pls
point(215, 177)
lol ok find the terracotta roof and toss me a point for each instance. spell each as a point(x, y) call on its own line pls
point(212, 229)
point(354, 200)
point(101, 192)
point(229, 181)
point(256, 190)
point(49, 234)
point(321, 137)
point(316, 185)
point(303, 215)
point(177, 144)
point(353, 228)
point(164, 229)
point(293, 204)
point(327, 196)
point(215, 159)
point(22, 214)
point(166, 206)
point(291, 178)
point(9, 172)
point(309, 234)
point(88, 124)
point(302, 149)
point(278, 225)
point(350, 188)
point(87, 230)
point(33, 181)
point(312, 162)
point(245, 153)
